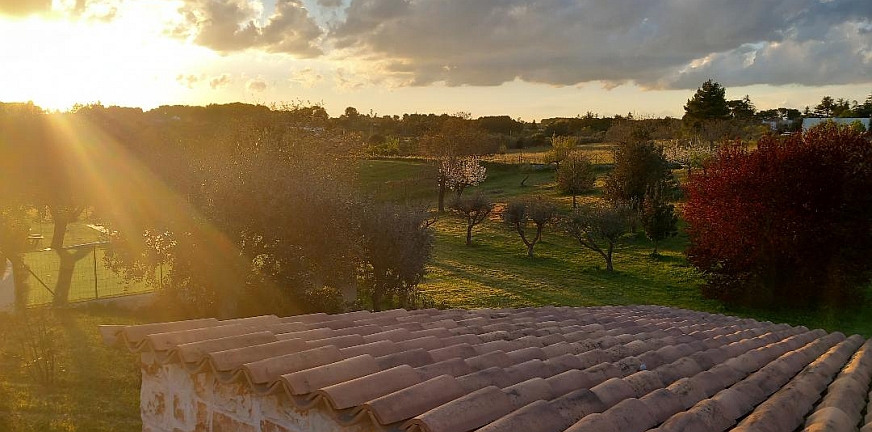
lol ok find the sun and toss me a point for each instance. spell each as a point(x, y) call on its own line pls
point(57, 62)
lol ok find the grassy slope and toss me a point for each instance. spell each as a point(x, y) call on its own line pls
point(495, 272)
point(97, 387)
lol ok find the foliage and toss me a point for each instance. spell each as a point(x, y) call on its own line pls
point(638, 166)
point(459, 173)
point(520, 213)
point(708, 103)
point(576, 175)
point(455, 139)
point(658, 215)
point(475, 209)
point(788, 223)
point(396, 244)
point(561, 147)
point(742, 108)
point(599, 228)
point(36, 337)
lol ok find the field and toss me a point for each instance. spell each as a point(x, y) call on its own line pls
point(495, 272)
point(97, 388)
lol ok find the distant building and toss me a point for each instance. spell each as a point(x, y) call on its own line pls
point(808, 123)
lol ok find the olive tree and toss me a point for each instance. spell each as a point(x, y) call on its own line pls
point(520, 214)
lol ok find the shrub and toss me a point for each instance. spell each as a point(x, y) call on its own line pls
point(576, 175)
point(785, 224)
point(638, 166)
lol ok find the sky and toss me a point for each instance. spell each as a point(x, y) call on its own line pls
point(529, 59)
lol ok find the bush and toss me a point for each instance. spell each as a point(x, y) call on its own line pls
point(576, 175)
point(786, 224)
point(639, 165)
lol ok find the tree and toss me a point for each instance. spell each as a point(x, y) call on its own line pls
point(396, 245)
point(658, 215)
point(459, 173)
point(519, 214)
point(561, 147)
point(825, 108)
point(576, 176)
point(638, 166)
point(785, 224)
point(599, 228)
point(742, 108)
point(708, 103)
point(475, 209)
point(456, 138)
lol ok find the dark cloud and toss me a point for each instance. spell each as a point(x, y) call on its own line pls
point(653, 42)
point(24, 7)
point(234, 25)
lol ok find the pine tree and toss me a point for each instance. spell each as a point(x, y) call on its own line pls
point(708, 103)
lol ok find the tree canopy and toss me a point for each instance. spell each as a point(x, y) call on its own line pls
point(708, 103)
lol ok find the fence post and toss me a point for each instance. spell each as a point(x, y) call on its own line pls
point(96, 293)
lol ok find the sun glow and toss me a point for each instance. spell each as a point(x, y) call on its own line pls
point(127, 61)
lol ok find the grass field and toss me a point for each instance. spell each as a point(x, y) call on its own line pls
point(97, 387)
point(495, 272)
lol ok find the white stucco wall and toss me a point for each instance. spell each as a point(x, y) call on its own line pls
point(172, 400)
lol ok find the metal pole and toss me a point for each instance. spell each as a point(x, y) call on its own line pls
point(96, 293)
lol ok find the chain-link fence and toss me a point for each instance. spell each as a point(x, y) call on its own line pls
point(83, 266)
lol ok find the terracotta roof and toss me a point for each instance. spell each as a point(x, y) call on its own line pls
point(548, 369)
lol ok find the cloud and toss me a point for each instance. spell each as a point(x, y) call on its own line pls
point(234, 25)
point(220, 81)
point(256, 85)
point(189, 81)
point(306, 77)
point(23, 8)
point(655, 43)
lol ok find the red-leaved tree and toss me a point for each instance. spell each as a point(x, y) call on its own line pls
point(786, 224)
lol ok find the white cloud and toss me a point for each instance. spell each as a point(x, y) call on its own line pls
point(235, 25)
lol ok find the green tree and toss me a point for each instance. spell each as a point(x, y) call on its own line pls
point(708, 103)
point(475, 209)
point(520, 214)
point(576, 176)
point(561, 147)
point(396, 244)
point(742, 108)
point(658, 215)
point(599, 228)
point(826, 107)
point(638, 166)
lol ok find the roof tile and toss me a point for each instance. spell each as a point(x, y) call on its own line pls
point(546, 369)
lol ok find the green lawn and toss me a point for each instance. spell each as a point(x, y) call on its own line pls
point(494, 271)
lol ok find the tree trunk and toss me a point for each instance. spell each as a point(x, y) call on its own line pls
point(609, 267)
point(66, 268)
point(376, 300)
point(469, 234)
point(574, 203)
point(441, 196)
point(530, 250)
point(59, 232)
